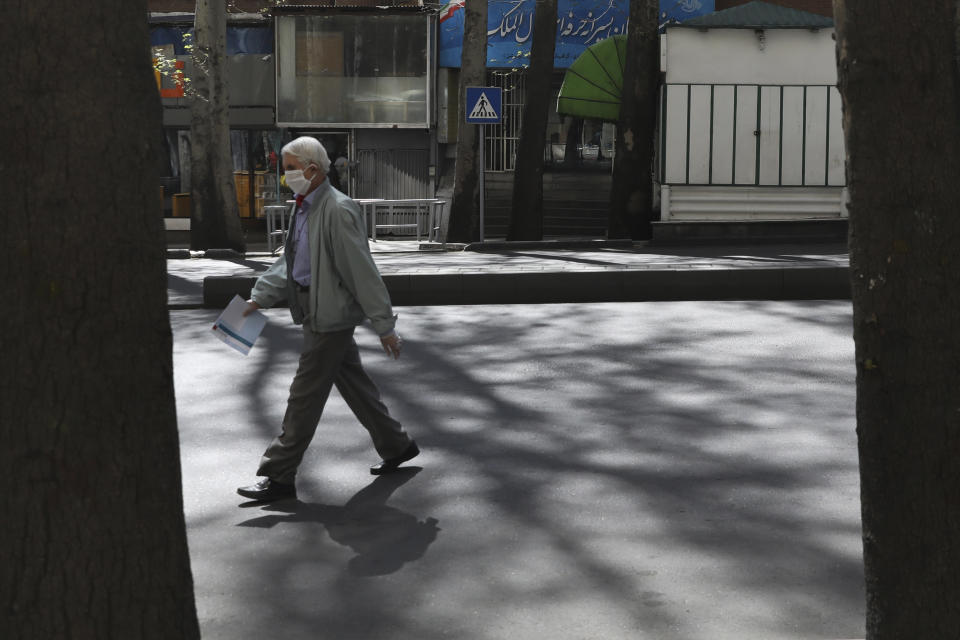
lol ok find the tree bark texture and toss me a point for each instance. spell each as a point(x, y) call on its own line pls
point(631, 193)
point(898, 79)
point(956, 32)
point(93, 542)
point(526, 214)
point(571, 152)
point(464, 223)
point(956, 43)
point(214, 214)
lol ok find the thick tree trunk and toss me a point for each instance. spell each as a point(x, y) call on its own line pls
point(526, 214)
point(631, 195)
point(214, 215)
point(93, 543)
point(956, 43)
point(898, 79)
point(464, 223)
point(571, 154)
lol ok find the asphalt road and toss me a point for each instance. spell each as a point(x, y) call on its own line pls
point(671, 471)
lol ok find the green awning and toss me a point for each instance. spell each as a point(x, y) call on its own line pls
point(593, 83)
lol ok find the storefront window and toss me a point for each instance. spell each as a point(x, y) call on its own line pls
point(254, 154)
point(346, 69)
point(255, 170)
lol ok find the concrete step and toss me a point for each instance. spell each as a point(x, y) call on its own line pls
point(565, 204)
point(772, 282)
point(557, 187)
point(567, 209)
point(553, 227)
point(751, 231)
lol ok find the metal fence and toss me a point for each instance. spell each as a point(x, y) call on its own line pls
point(501, 139)
point(751, 135)
point(393, 173)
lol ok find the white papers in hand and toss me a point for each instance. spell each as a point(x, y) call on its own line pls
point(236, 330)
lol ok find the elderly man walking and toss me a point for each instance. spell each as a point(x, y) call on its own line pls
point(331, 284)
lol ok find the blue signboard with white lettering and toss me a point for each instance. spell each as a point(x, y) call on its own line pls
point(484, 105)
point(580, 23)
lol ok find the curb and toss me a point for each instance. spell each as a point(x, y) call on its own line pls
point(548, 245)
point(211, 254)
point(649, 285)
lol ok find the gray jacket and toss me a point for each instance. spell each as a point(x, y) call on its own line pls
point(346, 286)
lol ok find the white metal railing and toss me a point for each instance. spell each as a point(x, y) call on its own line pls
point(409, 216)
point(278, 220)
point(502, 139)
point(751, 135)
point(420, 217)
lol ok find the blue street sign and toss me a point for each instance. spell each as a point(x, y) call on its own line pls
point(483, 105)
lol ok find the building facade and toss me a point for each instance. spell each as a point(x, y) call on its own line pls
point(751, 124)
point(358, 75)
point(251, 80)
point(377, 81)
point(362, 80)
point(820, 7)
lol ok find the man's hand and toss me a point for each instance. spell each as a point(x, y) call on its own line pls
point(251, 307)
point(392, 343)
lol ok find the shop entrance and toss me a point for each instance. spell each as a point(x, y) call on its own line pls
point(393, 164)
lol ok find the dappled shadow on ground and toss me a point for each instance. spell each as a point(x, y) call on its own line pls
point(256, 265)
point(622, 258)
point(669, 470)
point(383, 538)
point(730, 439)
point(788, 252)
point(180, 288)
point(562, 256)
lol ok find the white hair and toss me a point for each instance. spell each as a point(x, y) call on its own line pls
point(309, 151)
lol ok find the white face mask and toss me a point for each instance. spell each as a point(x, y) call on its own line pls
point(296, 181)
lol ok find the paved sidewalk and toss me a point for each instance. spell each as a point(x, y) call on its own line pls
point(590, 274)
point(636, 471)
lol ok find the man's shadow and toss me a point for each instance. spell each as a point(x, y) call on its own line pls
point(383, 537)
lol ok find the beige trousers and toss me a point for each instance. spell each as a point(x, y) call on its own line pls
point(329, 359)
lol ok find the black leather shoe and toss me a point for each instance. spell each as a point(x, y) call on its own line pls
point(268, 490)
point(391, 464)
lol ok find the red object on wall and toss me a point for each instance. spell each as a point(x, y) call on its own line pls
point(178, 79)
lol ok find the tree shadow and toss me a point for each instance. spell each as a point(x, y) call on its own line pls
point(250, 264)
point(282, 343)
point(383, 537)
point(674, 424)
point(576, 452)
point(180, 288)
point(560, 256)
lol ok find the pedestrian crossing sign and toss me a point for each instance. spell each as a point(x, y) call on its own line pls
point(484, 105)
